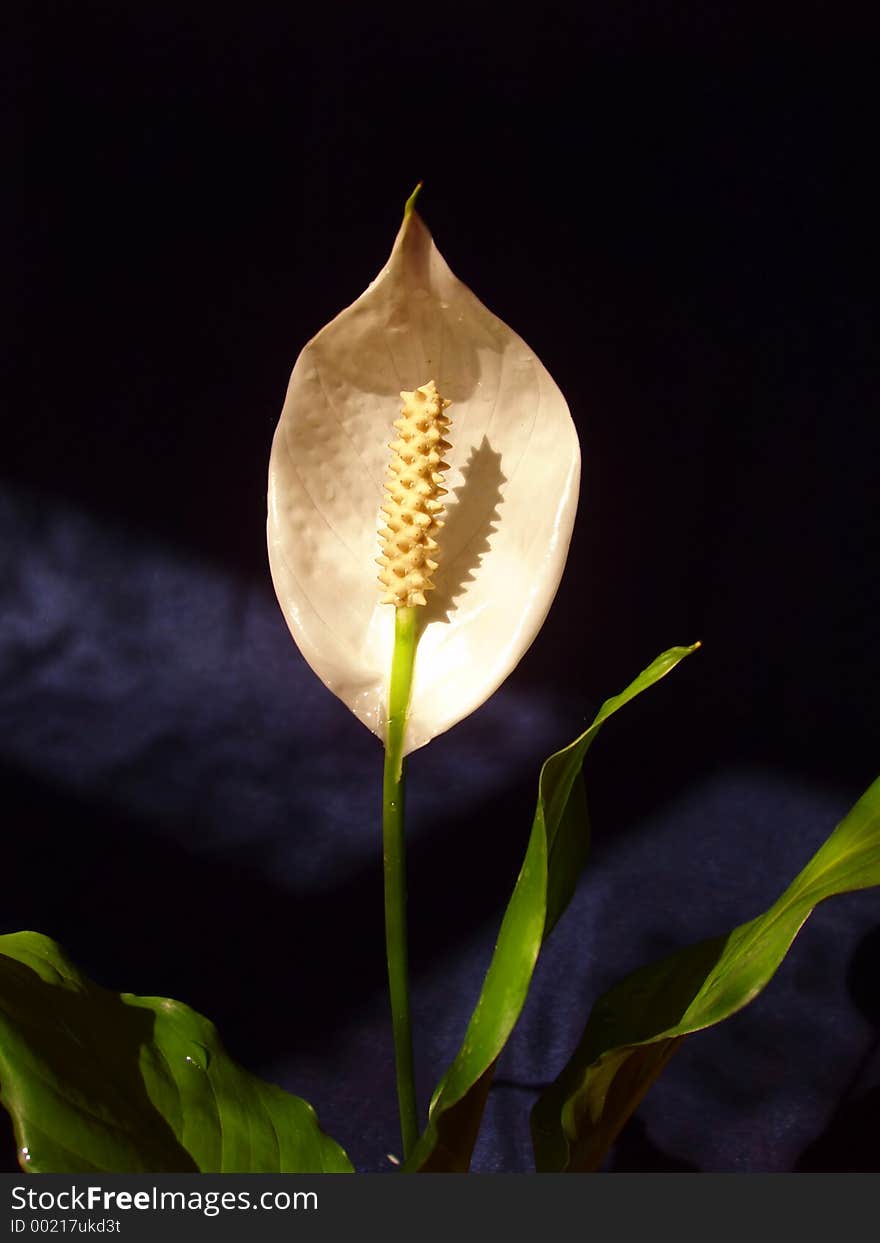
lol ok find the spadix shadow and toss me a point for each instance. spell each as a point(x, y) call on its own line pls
point(467, 527)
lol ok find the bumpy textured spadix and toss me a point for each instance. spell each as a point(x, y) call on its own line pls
point(413, 508)
point(512, 491)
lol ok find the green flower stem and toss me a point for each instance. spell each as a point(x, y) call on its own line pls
point(394, 853)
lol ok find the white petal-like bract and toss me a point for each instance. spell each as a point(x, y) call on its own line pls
point(512, 487)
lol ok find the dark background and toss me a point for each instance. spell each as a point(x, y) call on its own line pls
point(672, 205)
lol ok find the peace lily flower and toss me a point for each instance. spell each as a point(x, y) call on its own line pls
point(465, 582)
point(511, 482)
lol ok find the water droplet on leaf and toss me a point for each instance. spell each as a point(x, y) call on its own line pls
point(198, 1057)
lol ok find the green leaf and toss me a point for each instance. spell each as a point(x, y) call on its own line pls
point(102, 1081)
point(555, 855)
point(637, 1025)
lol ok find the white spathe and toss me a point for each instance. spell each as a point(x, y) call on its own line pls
point(513, 488)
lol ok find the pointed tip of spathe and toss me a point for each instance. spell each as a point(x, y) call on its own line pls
point(410, 205)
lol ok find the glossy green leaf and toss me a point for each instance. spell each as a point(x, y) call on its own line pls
point(102, 1081)
point(556, 852)
point(636, 1026)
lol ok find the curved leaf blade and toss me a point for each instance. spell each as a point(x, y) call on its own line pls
point(636, 1026)
point(555, 855)
point(102, 1081)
